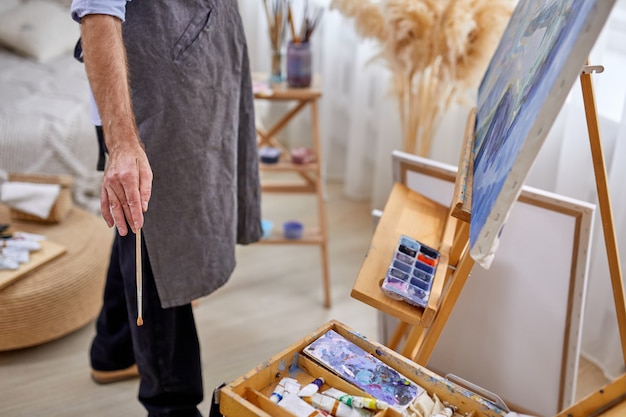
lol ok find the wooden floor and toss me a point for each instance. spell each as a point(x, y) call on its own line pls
point(273, 299)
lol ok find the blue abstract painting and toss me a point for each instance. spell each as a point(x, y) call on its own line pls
point(542, 52)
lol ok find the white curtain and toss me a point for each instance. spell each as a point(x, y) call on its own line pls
point(359, 125)
point(360, 128)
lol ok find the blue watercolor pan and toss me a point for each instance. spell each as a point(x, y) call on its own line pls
point(411, 272)
point(424, 267)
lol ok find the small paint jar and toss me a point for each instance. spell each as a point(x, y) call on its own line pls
point(299, 64)
point(293, 229)
point(269, 154)
point(302, 155)
point(267, 226)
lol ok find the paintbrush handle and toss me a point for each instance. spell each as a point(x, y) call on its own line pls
point(139, 278)
point(294, 36)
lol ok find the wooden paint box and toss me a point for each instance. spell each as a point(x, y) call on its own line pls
point(249, 394)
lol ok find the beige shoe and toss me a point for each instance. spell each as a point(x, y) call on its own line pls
point(108, 377)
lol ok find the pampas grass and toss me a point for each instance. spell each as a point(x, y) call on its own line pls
point(368, 18)
point(437, 50)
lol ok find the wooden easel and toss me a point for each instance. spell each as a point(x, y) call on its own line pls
point(421, 329)
point(609, 401)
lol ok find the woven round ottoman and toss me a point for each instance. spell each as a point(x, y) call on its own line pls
point(65, 293)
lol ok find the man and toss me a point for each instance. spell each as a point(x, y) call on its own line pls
point(171, 82)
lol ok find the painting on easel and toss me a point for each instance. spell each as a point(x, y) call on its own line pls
point(542, 52)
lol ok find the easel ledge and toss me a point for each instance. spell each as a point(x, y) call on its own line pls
point(445, 228)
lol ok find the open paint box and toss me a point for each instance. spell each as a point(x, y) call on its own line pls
point(249, 395)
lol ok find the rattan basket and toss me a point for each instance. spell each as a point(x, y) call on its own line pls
point(62, 205)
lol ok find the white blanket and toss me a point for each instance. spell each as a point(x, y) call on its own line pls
point(44, 122)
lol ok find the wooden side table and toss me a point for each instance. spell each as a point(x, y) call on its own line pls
point(63, 294)
point(310, 178)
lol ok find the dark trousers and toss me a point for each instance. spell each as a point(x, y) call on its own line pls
point(165, 348)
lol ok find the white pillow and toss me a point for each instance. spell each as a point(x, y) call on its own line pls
point(39, 29)
point(8, 4)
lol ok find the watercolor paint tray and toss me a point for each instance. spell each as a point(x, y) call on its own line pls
point(411, 272)
point(249, 394)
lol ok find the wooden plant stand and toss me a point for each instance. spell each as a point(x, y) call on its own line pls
point(310, 174)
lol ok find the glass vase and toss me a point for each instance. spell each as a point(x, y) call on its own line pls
point(299, 64)
point(276, 74)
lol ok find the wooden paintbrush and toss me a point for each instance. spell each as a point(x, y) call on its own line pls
point(294, 36)
point(138, 268)
point(139, 278)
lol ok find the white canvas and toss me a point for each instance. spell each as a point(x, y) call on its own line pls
point(515, 329)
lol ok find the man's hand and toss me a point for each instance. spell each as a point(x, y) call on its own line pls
point(126, 189)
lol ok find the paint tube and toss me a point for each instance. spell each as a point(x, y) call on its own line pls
point(423, 405)
point(446, 412)
point(277, 395)
point(288, 385)
point(298, 406)
point(356, 401)
point(311, 388)
point(292, 386)
point(29, 245)
point(331, 405)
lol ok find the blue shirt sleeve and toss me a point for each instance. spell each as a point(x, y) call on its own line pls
point(115, 8)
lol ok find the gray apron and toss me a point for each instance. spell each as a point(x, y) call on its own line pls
point(192, 96)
